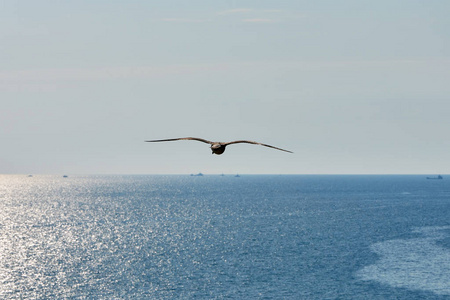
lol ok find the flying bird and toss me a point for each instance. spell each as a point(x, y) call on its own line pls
point(218, 147)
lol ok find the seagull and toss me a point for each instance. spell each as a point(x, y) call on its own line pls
point(218, 147)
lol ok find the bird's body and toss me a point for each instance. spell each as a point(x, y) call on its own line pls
point(218, 147)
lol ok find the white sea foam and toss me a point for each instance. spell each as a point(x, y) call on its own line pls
point(416, 264)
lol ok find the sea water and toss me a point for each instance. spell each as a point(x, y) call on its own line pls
point(224, 237)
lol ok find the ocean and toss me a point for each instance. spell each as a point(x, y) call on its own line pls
point(224, 237)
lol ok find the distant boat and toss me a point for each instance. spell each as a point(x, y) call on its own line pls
point(438, 177)
point(199, 174)
point(237, 175)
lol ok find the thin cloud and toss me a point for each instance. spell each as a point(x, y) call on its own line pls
point(33, 76)
point(183, 20)
point(256, 20)
point(108, 73)
point(236, 11)
point(47, 80)
point(272, 10)
point(254, 15)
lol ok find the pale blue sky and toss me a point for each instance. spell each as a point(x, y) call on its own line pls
point(350, 86)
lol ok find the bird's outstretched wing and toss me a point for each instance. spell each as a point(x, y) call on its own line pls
point(185, 138)
point(256, 143)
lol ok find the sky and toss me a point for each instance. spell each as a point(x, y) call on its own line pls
point(351, 87)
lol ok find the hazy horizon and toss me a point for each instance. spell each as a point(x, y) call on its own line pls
point(195, 174)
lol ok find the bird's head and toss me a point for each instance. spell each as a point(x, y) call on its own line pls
point(217, 149)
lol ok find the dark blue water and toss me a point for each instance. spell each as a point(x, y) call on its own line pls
point(222, 237)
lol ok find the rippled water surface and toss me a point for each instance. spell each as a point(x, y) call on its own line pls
point(222, 237)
